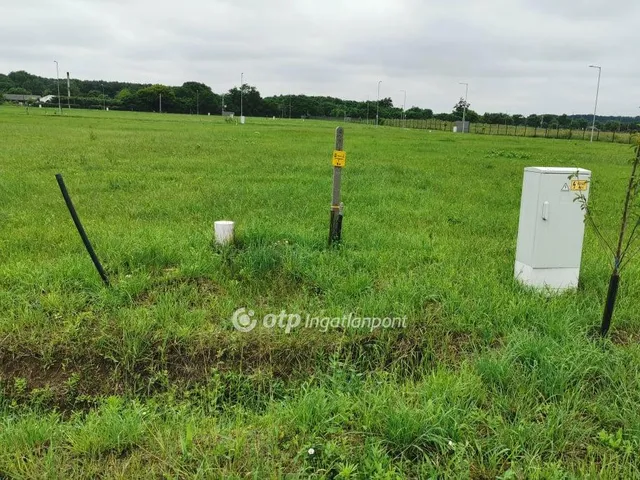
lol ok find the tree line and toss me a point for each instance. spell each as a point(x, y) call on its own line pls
point(198, 98)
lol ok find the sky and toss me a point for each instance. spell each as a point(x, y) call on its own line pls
point(518, 56)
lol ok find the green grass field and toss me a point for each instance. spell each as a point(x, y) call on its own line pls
point(149, 379)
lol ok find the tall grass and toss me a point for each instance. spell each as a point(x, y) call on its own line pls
point(148, 378)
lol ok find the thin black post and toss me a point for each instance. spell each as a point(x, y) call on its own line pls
point(337, 208)
point(621, 250)
point(612, 294)
point(83, 234)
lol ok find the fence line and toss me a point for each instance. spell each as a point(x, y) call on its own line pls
point(554, 131)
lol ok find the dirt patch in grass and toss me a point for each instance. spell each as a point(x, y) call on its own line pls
point(624, 337)
point(203, 288)
point(69, 381)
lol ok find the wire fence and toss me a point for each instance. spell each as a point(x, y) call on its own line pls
point(551, 131)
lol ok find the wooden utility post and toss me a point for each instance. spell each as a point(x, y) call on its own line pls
point(338, 161)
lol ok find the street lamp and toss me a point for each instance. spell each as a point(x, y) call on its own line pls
point(464, 109)
point(593, 125)
point(58, 79)
point(378, 101)
point(404, 117)
point(241, 91)
point(367, 109)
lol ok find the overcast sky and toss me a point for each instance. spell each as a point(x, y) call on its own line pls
point(518, 56)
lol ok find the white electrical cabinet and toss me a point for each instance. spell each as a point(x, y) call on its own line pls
point(551, 227)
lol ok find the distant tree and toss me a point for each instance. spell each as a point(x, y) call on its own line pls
point(611, 126)
point(29, 82)
point(492, 118)
point(533, 120)
point(5, 83)
point(196, 96)
point(252, 102)
point(19, 91)
point(148, 99)
point(419, 113)
point(386, 103)
point(581, 123)
point(449, 117)
point(564, 121)
point(460, 107)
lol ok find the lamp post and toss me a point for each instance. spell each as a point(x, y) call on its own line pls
point(464, 110)
point(367, 109)
point(58, 80)
point(377, 102)
point(404, 117)
point(595, 109)
point(241, 92)
point(104, 99)
point(68, 92)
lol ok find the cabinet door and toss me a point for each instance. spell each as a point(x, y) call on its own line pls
point(560, 224)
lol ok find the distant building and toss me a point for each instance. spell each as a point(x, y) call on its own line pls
point(18, 97)
point(228, 114)
point(47, 98)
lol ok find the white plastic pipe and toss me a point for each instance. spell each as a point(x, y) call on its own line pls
point(224, 231)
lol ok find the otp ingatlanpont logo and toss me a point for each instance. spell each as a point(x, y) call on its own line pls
point(243, 320)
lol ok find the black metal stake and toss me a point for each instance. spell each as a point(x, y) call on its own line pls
point(611, 303)
point(83, 234)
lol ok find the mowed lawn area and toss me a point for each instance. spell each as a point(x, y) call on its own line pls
point(148, 378)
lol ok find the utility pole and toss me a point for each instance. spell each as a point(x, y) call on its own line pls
point(593, 126)
point(377, 104)
point(241, 94)
point(160, 104)
point(197, 103)
point(464, 110)
point(367, 109)
point(58, 80)
point(404, 116)
point(68, 92)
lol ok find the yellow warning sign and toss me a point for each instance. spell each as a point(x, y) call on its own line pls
point(579, 185)
point(339, 158)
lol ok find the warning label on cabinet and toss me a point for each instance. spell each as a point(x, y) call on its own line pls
point(579, 185)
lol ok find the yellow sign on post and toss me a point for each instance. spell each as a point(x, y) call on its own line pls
point(339, 158)
point(579, 185)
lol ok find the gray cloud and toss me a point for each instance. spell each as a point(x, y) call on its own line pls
point(517, 55)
